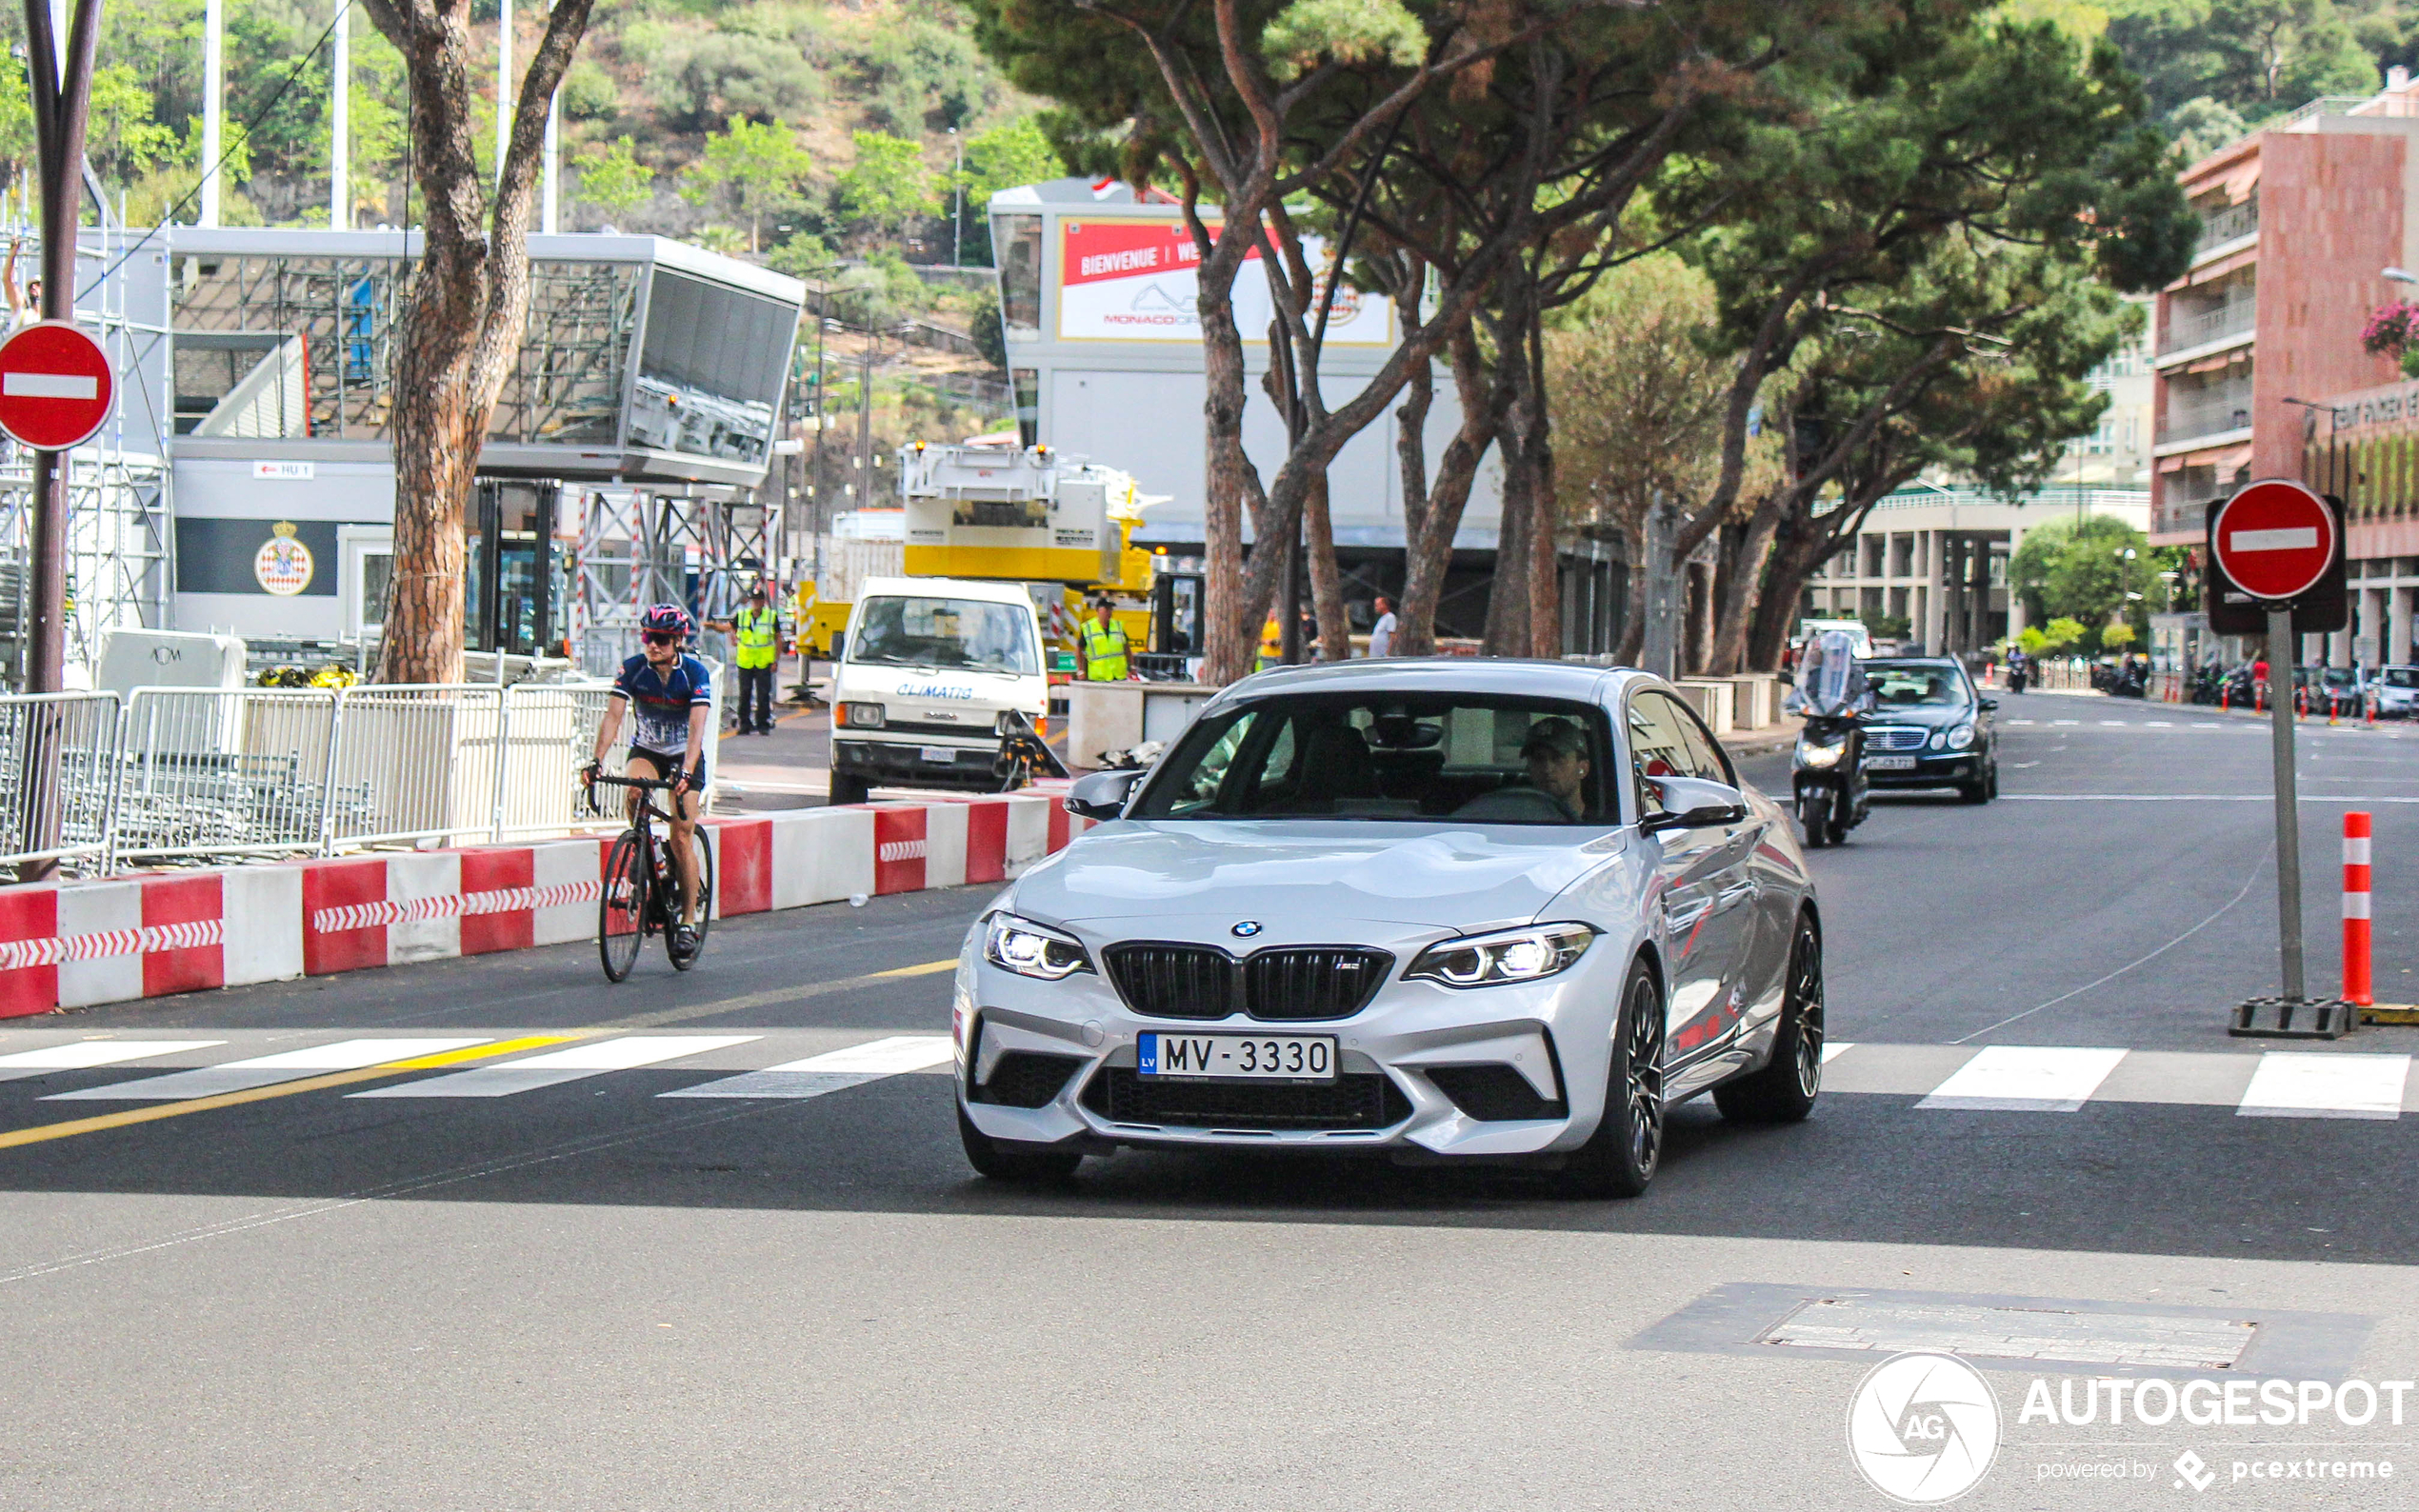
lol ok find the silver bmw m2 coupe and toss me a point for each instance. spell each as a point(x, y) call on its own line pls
point(1453, 911)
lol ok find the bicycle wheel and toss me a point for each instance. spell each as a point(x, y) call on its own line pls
point(704, 874)
point(621, 912)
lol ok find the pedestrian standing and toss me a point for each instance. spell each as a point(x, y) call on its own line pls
point(756, 632)
point(1103, 647)
point(1382, 633)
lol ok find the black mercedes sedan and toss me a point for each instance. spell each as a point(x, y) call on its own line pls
point(1930, 728)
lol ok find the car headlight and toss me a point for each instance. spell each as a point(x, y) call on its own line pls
point(1939, 738)
point(1030, 951)
point(1507, 955)
point(1961, 737)
point(1819, 756)
point(860, 716)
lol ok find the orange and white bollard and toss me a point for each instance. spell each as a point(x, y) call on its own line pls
point(2356, 984)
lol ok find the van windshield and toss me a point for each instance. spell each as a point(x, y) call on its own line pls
point(969, 634)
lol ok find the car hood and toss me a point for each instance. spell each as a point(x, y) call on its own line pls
point(1295, 873)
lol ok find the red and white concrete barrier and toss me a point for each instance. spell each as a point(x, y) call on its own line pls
point(69, 944)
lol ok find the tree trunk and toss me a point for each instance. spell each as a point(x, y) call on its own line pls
point(1737, 587)
point(464, 313)
point(1508, 596)
point(1545, 517)
point(1230, 642)
point(1327, 579)
point(1427, 553)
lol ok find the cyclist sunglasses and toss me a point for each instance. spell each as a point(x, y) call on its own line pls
point(661, 637)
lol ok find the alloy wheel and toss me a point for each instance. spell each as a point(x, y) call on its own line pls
point(1805, 987)
point(1645, 1091)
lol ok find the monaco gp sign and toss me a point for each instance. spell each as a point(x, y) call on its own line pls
point(56, 385)
point(2274, 539)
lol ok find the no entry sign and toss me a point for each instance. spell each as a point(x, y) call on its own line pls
point(56, 385)
point(2275, 539)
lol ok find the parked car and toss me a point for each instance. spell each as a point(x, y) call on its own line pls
point(1453, 911)
point(2395, 691)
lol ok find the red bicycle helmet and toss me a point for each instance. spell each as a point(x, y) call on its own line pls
point(671, 617)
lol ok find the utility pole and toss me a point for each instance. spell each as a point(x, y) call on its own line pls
point(340, 122)
point(503, 85)
point(550, 205)
point(957, 203)
point(214, 89)
point(864, 417)
point(60, 96)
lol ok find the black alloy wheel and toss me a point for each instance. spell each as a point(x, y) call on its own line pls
point(1784, 1091)
point(1619, 1160)
point(621, 910)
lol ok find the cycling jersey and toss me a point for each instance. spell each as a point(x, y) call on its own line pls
point(660, 702)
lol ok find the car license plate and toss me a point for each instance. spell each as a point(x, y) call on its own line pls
point(1889, 763)
point(1238, 1058)
point(945, 755)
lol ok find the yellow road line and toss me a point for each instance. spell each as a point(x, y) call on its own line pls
point(43, 1132)
point(768, 998)
point(927, 969)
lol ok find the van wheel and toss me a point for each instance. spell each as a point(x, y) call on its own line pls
point(847, 791)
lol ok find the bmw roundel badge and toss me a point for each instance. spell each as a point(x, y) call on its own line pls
point(1248, 928)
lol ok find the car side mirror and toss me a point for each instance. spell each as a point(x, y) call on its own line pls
point(1988, 704)
point(1693, 803)
point(1102, 795)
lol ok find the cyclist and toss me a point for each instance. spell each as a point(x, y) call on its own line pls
point(668, 693)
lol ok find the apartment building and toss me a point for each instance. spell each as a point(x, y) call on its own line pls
point(2299, 221)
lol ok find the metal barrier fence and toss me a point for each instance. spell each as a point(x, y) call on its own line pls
point(65, 821)
point(186, 773)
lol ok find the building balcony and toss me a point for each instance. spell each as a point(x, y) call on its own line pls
point(2187, 332)
point(2212, 415)
point(2231, 224)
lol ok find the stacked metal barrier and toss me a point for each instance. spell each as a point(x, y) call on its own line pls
point(188, 774)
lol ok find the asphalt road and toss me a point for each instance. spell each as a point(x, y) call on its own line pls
point(589, 1294)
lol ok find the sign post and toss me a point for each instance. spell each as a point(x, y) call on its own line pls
point(61, 90)
point(2276, 565)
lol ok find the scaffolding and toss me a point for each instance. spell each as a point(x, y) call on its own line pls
point(566, 385)
point(120, 541)
point(703, 549)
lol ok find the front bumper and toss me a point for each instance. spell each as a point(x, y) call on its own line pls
point(1069, 1049)
point(901, 761)
point(1946, 769)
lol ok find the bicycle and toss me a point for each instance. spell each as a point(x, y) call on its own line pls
point(641, 895)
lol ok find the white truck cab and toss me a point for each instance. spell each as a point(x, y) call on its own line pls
point(931, 672)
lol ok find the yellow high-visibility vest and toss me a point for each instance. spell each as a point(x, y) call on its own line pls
point(758, 632)
point(1104, 652)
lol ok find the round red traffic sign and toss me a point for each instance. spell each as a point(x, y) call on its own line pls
point(56, 385)
point(2274, 539)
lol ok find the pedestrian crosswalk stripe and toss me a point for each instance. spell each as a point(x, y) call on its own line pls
point(83, 1055)
point(1833, 1048)
point(2016, 1077)
point(2299, 1084)
point(556, 1066)
point(834, 1070)
point(263, 1070)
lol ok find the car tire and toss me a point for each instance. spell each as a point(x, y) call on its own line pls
point(846, 791)
point(1619, 1160)
point(997, 1165)
point(1784, 1090)
point(1977, 791)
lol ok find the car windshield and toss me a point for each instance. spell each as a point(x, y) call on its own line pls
point(1422, 757)
point(1903, 685)
point(2339, 677)
point(972, 634)
point(2402, 676)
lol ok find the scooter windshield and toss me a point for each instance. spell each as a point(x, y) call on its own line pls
point(1827, 683)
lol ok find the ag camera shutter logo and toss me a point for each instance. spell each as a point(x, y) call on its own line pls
point(1923, 1427)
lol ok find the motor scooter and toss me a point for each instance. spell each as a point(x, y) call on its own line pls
point(1827, 774)
point(2018, 673)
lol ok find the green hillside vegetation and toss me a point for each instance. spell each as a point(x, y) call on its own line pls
point(788, 130)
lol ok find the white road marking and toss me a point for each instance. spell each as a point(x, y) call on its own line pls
point(263, 1070)
point(557, 1066)
point(2016, 721)
point(834, 1070)
point(2026, 1079)
point(2301, 1084)
point(2158, 723)
point(2209, 723)
point(2114, 724)
point(2066, 721)
point(83, 1055)
point(1832, 1049)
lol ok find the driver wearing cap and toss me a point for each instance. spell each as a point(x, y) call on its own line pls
point(1556, 751)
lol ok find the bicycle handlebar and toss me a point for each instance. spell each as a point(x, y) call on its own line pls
point(662, 783)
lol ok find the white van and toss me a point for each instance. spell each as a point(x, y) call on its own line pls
point(932, 669)
point(1807, 629)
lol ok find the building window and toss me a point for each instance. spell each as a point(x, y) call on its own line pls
point(1019, 240)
